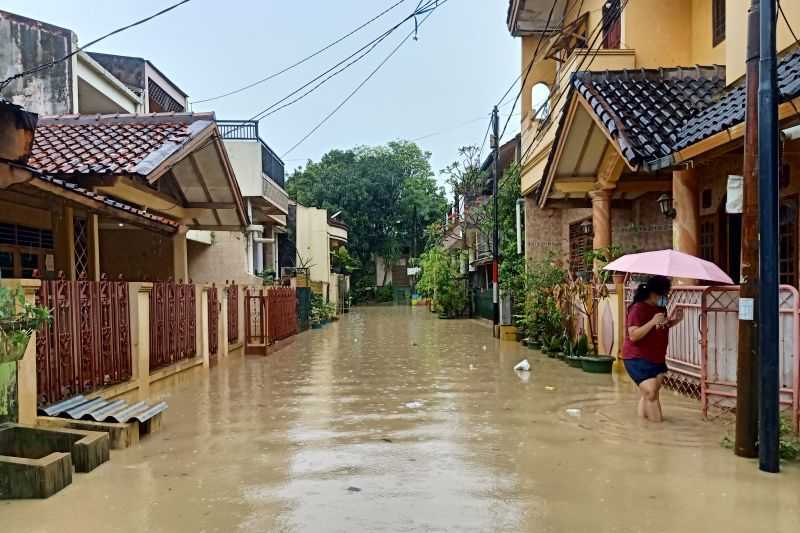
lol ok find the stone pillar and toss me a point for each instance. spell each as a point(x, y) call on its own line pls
point(93, 234)
point(64, 234)
point(601, 218)
point(686, 226)
point(180, 261)
point(27, 394)
point(139, 294)
point(202, 326)
point(223, 321)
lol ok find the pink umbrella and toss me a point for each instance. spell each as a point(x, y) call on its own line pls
point(671, 264)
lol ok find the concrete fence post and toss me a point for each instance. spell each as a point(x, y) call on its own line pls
point(139, 295)
point(223, 321)
point(202, 324)
point(27, 395)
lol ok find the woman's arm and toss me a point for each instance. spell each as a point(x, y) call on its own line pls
point(677, 316)
point(637, 333)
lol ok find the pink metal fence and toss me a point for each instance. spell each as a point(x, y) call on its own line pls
point(703, 348)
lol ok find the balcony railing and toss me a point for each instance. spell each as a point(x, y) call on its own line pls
point(247, 130)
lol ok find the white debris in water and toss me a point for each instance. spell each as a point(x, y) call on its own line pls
point(484, 347)
point(548, 387)
point(472, 367)
point(574, 412)
point(524, 376)
point(416, 404)
point(523, 366)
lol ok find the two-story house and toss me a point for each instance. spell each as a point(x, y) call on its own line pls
point(627, 103)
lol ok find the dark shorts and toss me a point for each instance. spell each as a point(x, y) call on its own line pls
point(641, 369)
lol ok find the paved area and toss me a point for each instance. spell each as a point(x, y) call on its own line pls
point(392, 420)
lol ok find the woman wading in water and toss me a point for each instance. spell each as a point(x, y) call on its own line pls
point(645, 349)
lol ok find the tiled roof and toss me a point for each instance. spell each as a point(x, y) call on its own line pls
point(729, 109)
point(644, 110)
point(100, 198)
point(111, 144)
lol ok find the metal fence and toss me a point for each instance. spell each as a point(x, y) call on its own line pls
point(483, 304)
point(87, 345)
point(282, 310)
point(213, 322)
point(703, 348)
point(232, 294)
point(303, 307)
point(173, 323)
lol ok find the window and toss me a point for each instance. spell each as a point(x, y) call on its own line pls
point(705, 201)
point(580, 244)
point(708, 239)
point(23, 249)
point(540, 101)
point(787, 258)
point(718, 21)
point(612, 24)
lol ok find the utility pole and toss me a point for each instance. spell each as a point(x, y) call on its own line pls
point(746, 369)
point(496, 229)
point(769, 421)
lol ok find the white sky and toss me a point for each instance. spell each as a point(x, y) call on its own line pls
point(460, 66)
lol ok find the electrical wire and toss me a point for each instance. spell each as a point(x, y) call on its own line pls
point(54, 62)
point(304, 60)
point(365, 80)
point(594, 35)
point(530, 68)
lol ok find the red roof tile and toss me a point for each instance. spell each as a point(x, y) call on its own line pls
point(108, 144)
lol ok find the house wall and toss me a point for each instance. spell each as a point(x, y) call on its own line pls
point(245, 157)
point(640, 227)
point(224, 259)
point(312, 242)
point(27, 43)
point(138, 255)
point(659, 31)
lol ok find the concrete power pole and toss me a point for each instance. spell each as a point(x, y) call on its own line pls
point(496, 230)
point(768, 197)
point(746, 375)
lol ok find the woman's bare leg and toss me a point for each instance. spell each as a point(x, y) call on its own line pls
point(640, 409)
point(660, 380)
point(649, 390)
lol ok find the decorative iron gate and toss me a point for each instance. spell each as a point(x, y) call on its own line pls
point(213, 322)
point(87, 345)
point(173, 323)
point(255, 322)
point(282, 309)
point(232, 293)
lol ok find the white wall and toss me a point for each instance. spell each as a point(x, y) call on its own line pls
point(245, 157)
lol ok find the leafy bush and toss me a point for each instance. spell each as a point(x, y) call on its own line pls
point(384, 294)
point(18, 320)
point(581, 348)
point(441, 280)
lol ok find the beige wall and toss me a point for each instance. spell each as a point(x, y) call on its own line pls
point(224, 259)
point(138, 255)
point(660, 32)
point(312, 241)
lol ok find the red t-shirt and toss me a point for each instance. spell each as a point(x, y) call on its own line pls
point(653, 346)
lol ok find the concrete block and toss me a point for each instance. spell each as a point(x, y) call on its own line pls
point(89, 449)
point(25, 477)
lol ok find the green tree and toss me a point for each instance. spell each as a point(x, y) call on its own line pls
point(379, 190)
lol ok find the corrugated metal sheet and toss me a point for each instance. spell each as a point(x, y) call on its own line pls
point(100, 410)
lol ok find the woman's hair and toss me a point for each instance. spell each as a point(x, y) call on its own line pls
point(656, 284)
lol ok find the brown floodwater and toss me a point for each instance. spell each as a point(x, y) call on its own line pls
point(393, 420)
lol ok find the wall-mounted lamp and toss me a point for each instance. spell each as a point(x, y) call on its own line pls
point(665, 206)
point(586, 227)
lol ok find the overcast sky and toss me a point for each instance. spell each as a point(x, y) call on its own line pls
point(460, 66)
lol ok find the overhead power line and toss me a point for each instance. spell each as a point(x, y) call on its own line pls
point(327, 117)
point(50, 64)
point(303, 60)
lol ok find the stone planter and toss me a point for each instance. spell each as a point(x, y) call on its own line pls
point(574, 361)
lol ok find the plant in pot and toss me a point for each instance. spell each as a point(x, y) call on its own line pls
point(554, 346)
point(585, 295)
point(18, 321)
point(579, 350)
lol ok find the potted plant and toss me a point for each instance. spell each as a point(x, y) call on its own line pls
point(554, 347)
point(579, 350)
point(18, 321)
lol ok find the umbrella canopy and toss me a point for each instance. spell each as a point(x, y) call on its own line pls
point(671, 264)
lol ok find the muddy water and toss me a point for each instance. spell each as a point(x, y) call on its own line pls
point(392, 420)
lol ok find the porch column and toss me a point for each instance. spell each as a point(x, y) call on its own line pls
point(64, 233)
point(93, 230)
point(601, 218)
point(180, 262)
point(258, 252)
point(686, 226)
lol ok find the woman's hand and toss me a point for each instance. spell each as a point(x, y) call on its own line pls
point(676, 317)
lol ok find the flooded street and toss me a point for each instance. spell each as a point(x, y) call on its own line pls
point(393, 420)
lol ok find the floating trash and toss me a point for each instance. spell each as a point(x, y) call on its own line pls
point(548, 387)
point(523, 366)
point(574, 412)
point(416, 404)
